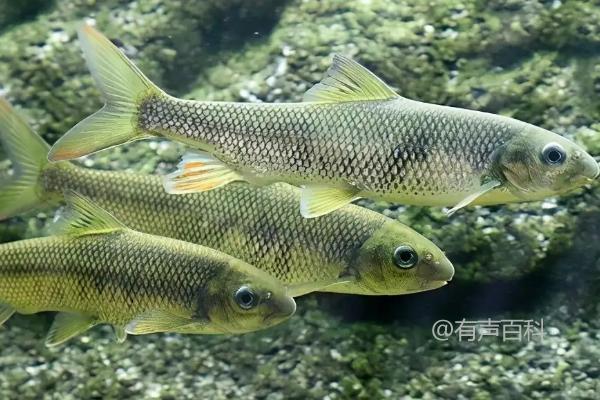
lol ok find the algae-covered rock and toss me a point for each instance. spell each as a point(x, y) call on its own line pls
point(13, 12)
point(41, 66)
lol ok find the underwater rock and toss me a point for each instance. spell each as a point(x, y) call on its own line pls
point(313, 356)
point(12, 12)
point(41, 66)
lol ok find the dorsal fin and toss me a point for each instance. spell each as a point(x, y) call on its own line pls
point(85, 218)
point(347, 80)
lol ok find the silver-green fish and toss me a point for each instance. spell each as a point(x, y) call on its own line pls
point(351, 250)
point(353, 137)
point(97, 271)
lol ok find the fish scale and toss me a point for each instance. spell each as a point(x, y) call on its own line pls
point(113, 277)
point(352, 137)
point(360, 143)
point(261, 226)
point(97, 271)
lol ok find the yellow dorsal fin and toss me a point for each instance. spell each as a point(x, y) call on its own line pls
point(347, 80)
point(317, 200)
point(85, 218)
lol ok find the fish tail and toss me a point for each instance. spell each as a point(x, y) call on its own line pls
point(22, 191)
point(124, 88)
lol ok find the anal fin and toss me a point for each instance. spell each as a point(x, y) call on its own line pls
point(199, 172)
point(67, 326)
point(120, 333)
point(321, 200)
point(483, 189)
point(6, 312)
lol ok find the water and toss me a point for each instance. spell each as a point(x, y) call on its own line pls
point(518, 267)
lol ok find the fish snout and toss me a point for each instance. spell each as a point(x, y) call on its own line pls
point(591, 169)
point(439, 270)
point(283, 308)
point(444, 272)
point(588, 168)
point(288, 306)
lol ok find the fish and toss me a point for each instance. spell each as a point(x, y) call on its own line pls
point(94, 270)
point(351, 250)
point(352, 137)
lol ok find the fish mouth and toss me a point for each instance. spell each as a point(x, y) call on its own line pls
point(437, 284)
point(433, 285)
point(269, 317)
point(426, 286)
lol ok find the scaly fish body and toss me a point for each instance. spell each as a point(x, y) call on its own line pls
point(261, 226)
point(397, 150)
point(114, 277)
point(256, 224)
point(103, 272)
point(352, 137)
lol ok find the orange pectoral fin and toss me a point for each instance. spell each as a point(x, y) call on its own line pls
point(199, 172)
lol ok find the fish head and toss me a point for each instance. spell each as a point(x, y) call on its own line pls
point(398, 260)
point(246, 299)
point(538, 163)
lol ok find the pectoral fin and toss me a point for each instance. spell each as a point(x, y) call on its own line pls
point(6, 312)
point(199, 172)
point(67, 326)
point(300, 289)
point(483, 189)
point(155, 321)
point(321, 200)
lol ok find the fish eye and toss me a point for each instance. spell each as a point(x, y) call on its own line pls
point(405, 257)
point(553, 154)
point(245, 298)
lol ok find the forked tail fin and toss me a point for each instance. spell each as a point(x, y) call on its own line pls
point(21, 191)
point(124, 87)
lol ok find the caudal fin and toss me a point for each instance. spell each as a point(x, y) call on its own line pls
point(124, 87)
point(28, 152)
